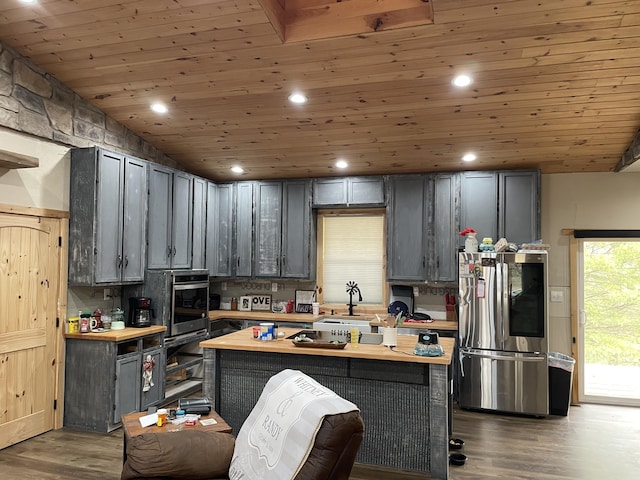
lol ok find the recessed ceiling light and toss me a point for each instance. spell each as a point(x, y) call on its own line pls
point(237, 169)
point(297, 98)
point(462, 81)
point(28, 1)
point(341, 164)
point(469, 157)
point(159, 107)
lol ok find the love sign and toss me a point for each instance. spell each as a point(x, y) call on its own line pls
point(261, 302)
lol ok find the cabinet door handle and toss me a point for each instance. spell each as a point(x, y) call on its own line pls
point(424, 262)
point(168, 250)
point(238, 262)
point(174, 251)
point(119, 261)
point(126, 261)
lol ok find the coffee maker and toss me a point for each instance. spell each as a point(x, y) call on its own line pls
point(140, 312)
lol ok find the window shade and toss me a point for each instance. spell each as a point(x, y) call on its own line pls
point(353, 250)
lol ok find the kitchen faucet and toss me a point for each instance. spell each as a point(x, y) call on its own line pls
point(352, 287)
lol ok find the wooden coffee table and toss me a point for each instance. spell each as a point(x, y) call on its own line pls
point(131, 426)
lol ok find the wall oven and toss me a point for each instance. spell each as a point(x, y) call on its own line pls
point(180, 299)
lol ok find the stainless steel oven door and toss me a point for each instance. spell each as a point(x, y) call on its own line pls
point(190, 307)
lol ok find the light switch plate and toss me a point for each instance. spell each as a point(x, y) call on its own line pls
point(274, 286)
point(223, 286)
point(106, 294)
point(416, 291)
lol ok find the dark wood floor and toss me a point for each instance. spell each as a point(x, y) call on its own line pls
point(594, 442)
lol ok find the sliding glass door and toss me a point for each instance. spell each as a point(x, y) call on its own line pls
point(609, 321)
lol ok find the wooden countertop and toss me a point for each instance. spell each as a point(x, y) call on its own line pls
point(266, 316)
point(435, 325)
point(308, 318)
point(243, 340)
point(128, 333)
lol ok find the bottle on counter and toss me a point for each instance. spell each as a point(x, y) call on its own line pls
point(234, 303)
point(85, 321)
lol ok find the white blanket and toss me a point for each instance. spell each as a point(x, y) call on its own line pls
point(275, 440)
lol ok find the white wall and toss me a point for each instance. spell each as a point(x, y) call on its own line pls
point(598, 201)
point(46, 186)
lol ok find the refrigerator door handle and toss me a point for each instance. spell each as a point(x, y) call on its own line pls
point(512, 357)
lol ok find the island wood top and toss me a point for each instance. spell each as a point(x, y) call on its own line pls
point(127, 333)
point(243, 340)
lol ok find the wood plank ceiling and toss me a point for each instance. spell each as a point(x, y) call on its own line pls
point(556, 82)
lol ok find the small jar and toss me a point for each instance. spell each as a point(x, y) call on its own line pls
point(234, 303)
point(471, 243)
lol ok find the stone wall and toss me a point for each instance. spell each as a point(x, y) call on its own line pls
point(35, 103)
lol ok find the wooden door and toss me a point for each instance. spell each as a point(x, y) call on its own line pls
point(29, 299)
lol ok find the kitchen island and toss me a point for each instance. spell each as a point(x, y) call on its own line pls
point(403, 398)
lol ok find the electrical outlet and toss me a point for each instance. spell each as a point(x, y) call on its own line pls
point(416, 291)
point(223, 286)
point(557, 296)
point(274, 287)
point(107, 294)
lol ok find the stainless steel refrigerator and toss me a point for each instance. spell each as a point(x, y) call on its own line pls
point(503, 324)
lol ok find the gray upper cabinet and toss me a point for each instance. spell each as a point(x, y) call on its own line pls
point(198, 244)
point(479, 201)
point(501, 204)
point(407, 220)
point(283, 229)
point(268, 235)
point(243, 231)
point(519, 210)
point(348, 191)
point(219, 229)
point(298, 231)
point(108, 206)
point(170, 218)
point(445, 227)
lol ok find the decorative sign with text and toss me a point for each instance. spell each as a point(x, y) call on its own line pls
point(261, 302)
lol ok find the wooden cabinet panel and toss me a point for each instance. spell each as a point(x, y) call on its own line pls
point(348, 191)
point(219, 252)
point(407, 215)
point(445, 228)
point(243, 229)
point(170, 218)
point(198, 243)
point(108, 208)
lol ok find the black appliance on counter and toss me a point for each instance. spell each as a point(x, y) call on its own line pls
point(140, 312)
point(180, 299)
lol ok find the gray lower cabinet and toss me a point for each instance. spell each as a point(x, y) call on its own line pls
point(105, 379)
point(348, 191)
point(407, 221)
point(170, 218)
point(501, 204)
point(283, 240)
point(108, 208)
point(219, 228)
point(243, 229)
point(198, 244)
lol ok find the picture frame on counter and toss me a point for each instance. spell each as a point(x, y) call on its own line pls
point(261, 302)
point(244, 304)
